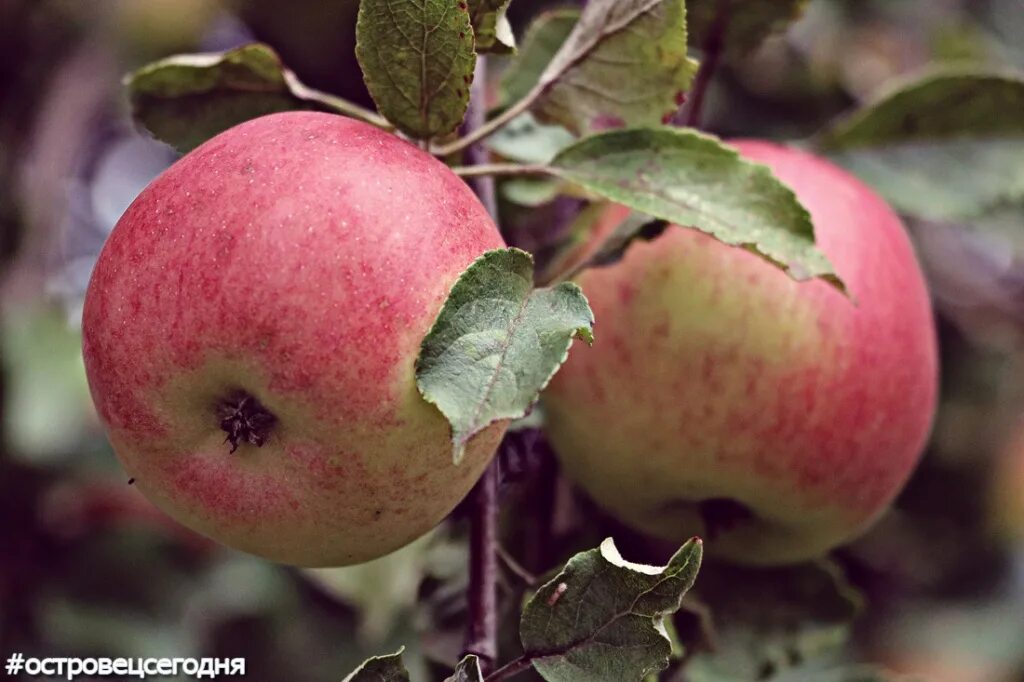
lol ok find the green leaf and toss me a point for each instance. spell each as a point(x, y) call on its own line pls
point(624, 63)
point(531, 192)
point(186, 99)
point(945, 146)
point(44, 377)
point(382, 591)
point(695, 180)
point(468, 670)
point(490, 26)
point(497, 342)
point(601, 617)
point(545, 36)
point(766, 621)
point(386, 668)
point(951, 180)
point(747, 22)
point(938, 105)
point(526, 140)
point(417, 59)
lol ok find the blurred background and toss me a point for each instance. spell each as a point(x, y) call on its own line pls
point(88, 567)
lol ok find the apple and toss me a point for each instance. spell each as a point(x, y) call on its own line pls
point(250, 332)
point(777, 419)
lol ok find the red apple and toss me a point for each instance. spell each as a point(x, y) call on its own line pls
point(775, 418)
point(250, 332)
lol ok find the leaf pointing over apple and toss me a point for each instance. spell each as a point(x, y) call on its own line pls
point(692, 179)
point(386, 668)
point(186, 99)
point(601, 617)
point(497, 342)
point(945, 145)
point(417, 59)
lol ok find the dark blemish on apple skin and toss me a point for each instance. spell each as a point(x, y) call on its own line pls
point(131, 481)
point(377, 514)
point(244, 419)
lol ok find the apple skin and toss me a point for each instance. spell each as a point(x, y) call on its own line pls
point(716, 379)
point(299, 258)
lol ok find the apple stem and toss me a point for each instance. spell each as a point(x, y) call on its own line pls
point(500, 169)
point(482, 620)
point(712, 49)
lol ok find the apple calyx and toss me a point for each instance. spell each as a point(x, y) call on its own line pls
point(245, 419)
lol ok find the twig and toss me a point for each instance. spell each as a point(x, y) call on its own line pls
point(343, 106)
point(513, 667)
point(489, 127)
point(712, 49)
point(515, 567)
point(499, 169)
point(482, 625)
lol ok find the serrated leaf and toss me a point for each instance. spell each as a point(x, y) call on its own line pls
point(497, 342)
point(186, 99)
point(388, 668)
point(695, 180)
point(490, 26)
point(945, 146)
point(468, 670)
point(601, 617)
point(747, 22)
point(624, 63)
point(772, 620)
point(544, 37)
point(417, 59)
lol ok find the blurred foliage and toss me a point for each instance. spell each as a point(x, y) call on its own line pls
point(88, 567)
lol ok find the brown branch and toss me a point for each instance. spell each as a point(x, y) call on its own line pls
point(482, 619)
point(712, 48)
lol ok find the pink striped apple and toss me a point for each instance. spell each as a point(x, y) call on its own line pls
point(721, 398)
point(250, 333)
